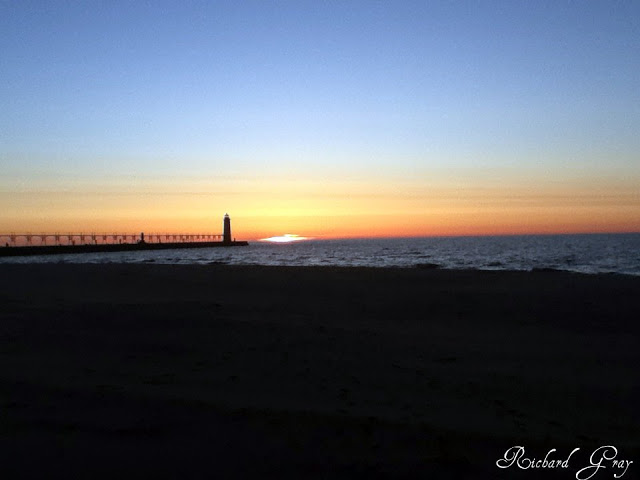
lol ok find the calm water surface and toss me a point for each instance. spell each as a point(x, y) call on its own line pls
point(601, 253)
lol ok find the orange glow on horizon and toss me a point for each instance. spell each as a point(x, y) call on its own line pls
point(442, 222)
point(448, 205)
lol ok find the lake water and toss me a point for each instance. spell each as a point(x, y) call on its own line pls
point(598, 253)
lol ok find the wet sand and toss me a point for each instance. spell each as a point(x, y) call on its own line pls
point(154, 371)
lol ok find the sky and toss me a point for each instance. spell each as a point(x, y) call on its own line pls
point(320, 118)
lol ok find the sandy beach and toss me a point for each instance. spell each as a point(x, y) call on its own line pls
point(157, 371)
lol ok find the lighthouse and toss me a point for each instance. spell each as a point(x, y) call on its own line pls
point(226, 232)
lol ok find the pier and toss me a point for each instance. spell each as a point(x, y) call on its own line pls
point(77, 239)
point(19, 244)
point(51, 244)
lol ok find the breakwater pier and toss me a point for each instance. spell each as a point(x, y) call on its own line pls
point(51, 244)
point(19, 244)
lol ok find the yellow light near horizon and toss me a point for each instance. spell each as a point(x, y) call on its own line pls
point(286, 238)
point(324, 207)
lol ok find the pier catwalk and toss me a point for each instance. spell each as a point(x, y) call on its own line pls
point(28, 244)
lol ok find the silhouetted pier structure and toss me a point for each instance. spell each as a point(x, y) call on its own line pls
point(16, 244)
point(59, 239)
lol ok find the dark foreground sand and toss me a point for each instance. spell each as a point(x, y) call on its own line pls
point(151, 371)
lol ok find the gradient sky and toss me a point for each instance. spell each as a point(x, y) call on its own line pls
point(320, 118)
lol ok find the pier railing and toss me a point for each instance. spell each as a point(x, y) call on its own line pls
point(46, 239)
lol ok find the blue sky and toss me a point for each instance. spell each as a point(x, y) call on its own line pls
point(98, 90)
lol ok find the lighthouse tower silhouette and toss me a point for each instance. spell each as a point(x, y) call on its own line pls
point(226, 232)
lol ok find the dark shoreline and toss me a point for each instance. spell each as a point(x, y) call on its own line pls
point(204, 371)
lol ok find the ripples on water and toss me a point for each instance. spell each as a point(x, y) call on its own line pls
point(602, 253)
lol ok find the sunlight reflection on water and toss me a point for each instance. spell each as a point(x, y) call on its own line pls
point(601, 253)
